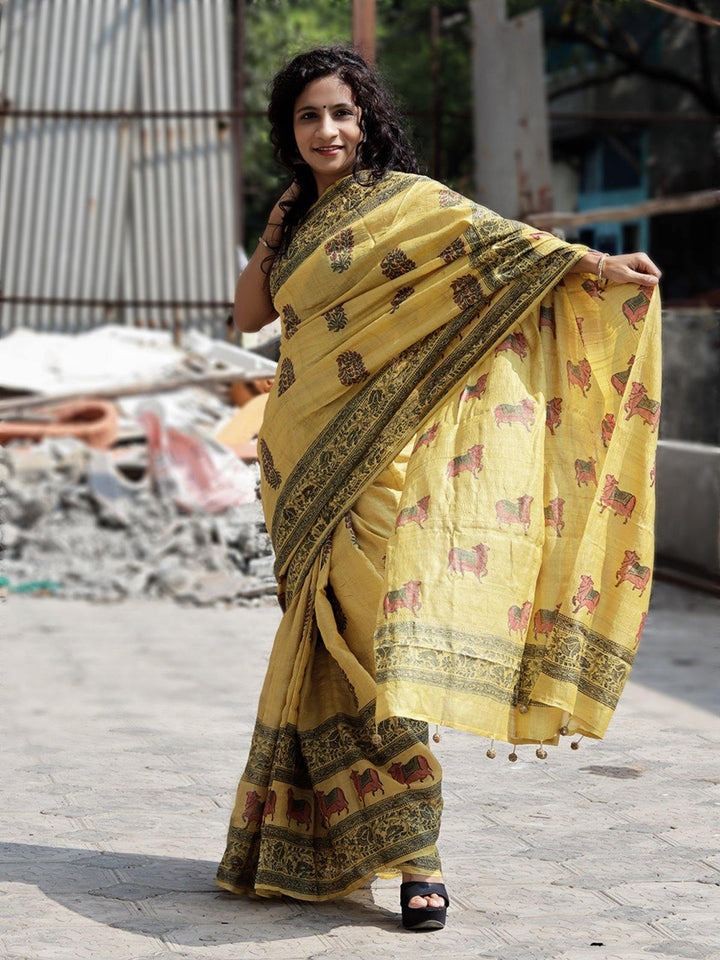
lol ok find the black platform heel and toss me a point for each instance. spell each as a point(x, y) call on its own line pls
point(423, 918)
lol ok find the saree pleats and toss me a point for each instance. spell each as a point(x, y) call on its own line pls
point(458, 464)
point(328, 799)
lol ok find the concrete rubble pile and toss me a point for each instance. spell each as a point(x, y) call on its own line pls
point(163, 510)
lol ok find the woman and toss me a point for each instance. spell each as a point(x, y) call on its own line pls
point(457, 463)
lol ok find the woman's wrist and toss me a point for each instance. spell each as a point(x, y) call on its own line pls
point(602, 259)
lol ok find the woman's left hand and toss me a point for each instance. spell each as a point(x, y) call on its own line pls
point(631, 268)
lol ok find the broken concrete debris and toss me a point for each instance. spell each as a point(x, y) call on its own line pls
point(163, 509)
point(63, 526)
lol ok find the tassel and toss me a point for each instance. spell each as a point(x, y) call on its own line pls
point(575, 745)
point(436, 735)
point(541, 752)
point(491, 750)
point(512, 757)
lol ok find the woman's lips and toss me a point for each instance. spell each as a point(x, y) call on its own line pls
point(328, 151)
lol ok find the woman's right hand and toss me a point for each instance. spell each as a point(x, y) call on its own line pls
point(631, 268)
point(253, 307)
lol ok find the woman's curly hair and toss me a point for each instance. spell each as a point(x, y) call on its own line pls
point(384, 145)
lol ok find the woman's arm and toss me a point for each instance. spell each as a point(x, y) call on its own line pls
point(253, 306)
point(623, 268)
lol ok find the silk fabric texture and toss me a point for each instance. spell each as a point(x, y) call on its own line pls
point(458, 467)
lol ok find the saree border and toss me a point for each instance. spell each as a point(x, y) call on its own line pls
point(409, 822)
point(563, 657)
point(281, 754)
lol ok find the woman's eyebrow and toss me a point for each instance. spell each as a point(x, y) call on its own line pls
point(310, 106)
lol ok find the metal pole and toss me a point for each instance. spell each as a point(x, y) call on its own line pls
point(364, 29)
point(239, 121)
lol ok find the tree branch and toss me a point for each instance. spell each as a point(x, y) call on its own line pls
point(591, 81)
point(707, 98)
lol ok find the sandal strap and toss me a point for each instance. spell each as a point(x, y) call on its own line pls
point(421, 888)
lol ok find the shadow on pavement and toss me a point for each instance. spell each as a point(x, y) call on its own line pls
point(179, 898)
point(680, 651)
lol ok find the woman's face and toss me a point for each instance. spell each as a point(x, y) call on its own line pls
point(326, 124)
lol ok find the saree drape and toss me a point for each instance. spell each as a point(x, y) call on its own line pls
point(458, 462)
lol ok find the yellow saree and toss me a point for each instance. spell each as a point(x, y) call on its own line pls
point(457, 461)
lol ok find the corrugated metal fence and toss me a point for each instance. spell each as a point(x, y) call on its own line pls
point(116, 180)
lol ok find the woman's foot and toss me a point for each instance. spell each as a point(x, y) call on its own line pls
point(424, 902)
point(433, 900)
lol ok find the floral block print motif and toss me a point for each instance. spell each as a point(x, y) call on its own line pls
point(291, 321)
point(351, 368)
point(270, 473)
point(467, 292)
point(286, 377)
point(400, 297)
point(396, 263)
point(453, 251)
point(449, 198)
point(340, 250)
point(336, 319)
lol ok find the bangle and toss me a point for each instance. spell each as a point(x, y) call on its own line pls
point(601, 264)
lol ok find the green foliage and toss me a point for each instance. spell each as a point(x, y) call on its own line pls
point(278, 29)
point(275, 31)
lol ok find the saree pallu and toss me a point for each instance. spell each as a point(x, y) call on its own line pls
point(457, 461)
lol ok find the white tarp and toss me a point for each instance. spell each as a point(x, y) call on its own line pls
point(111, 356)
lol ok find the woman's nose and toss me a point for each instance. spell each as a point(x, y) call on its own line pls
point(328, 126)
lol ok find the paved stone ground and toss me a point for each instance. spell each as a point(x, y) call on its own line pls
point(126, 728)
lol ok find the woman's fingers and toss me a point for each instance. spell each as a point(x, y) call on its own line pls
point(643, 264)
point(648, 279)
point(632, 268)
